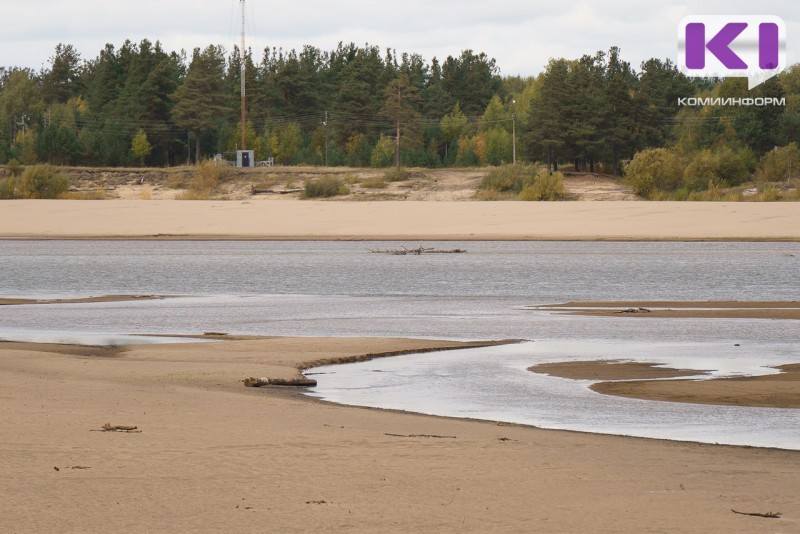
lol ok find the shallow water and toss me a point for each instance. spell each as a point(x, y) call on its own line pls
point(494, 384)
point(340, 289)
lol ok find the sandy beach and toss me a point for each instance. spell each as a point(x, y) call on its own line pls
point(209, 454)
point(412, 220)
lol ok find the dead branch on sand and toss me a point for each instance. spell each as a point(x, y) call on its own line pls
point(108, 427)
point(768, 515)
point(253, 382)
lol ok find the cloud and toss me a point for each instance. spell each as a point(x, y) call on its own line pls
point(521, 36)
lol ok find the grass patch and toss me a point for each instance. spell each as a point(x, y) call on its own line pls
point(375, 182)
point(492, 195)
point(206, 177)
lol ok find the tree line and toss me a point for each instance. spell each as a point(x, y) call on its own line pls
point(363, 106)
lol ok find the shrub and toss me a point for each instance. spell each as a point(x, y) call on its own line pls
point(375, 182)
point(208, 175)
point(324, 187)
point(42, 181)
point(719, 167)
point(13, 167)
point(546, 186)
point(702, 172)
point(780, 163)
point(769, 193)
point(398, 174)
point(654, 169)
point(510, 178)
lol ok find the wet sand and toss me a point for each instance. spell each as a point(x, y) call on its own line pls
point(84, 300)
point(634, 379)
point(680, 309)
point(404, 220)
point(209, 454)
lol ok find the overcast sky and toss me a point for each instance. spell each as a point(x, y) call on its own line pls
point(520, 35)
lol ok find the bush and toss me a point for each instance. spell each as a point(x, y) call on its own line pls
point(720, 167)
point(13, 167)
point(510, 178)
point(702, 172)
point(42, 181)
point(324, 187)
point(398, 174)
point(37, 181)
point(546, 186)
point(780, 163)
point(375, 182)
point(769, 194)
point(654, 169)
point(208, 175)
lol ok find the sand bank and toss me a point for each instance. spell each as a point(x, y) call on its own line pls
point(680, 309)
point(130, 219)
point(84, 300)
point(635, 379)
point(213, 455)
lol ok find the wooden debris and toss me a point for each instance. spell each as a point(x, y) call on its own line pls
point(419, 436)
point(108, 427)
point(253, 382)
point(768, 515)
point(260, 191)
point(635, 310)
point(417, 251)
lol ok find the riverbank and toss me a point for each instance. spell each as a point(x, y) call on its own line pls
point(209, 454)
point(393, 220)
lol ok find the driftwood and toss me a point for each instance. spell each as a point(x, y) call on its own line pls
point(768, 515)
point(253, 382)
point(258, 191)
point(108, 427)
point(418, 436)
point(635, 310)
point(417, 251)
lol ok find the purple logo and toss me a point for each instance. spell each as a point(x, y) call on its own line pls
point(724, 46)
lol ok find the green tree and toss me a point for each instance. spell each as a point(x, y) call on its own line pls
point(401, 96)
point(140, 146)
point(63, 80)
point(199, 99)
point(453, 126)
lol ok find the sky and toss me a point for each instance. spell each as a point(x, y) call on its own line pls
point(520, 35)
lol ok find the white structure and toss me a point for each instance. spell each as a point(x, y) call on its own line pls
point(245, 158)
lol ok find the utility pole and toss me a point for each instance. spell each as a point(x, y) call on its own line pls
point(397, 147)
point(513, 131)
point(243, 70)
point(325, 130)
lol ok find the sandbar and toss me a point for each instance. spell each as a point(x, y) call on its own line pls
point(637, 380)
point(680, 309)
point(82, 300)
point(211, 455)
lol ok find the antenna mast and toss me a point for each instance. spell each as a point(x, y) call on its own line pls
point(242, 61)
